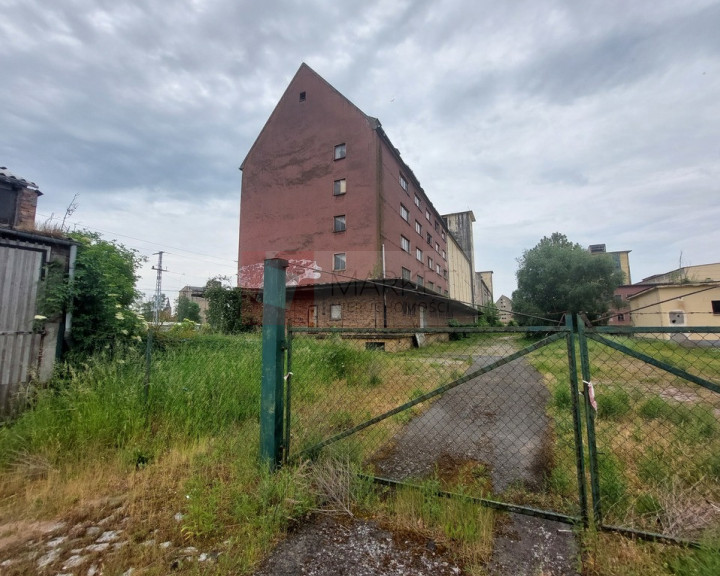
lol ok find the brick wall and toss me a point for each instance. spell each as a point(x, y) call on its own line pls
point(360, 305)
point(27, 206)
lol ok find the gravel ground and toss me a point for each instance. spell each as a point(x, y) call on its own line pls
point(343, 546)
point(497, 419)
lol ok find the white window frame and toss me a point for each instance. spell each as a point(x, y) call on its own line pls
point(339, 257)
point(404, 244)
point(339, 187)
point(340, 218)
point(335, 312)
point(340, 151)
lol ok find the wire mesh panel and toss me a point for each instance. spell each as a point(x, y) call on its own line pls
point(657, 429)
point(486, 413)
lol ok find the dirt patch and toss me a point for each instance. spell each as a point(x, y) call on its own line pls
point(331, 546)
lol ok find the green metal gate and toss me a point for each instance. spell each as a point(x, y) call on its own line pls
point(652, 399)
point(519, 439)
point(629, 440)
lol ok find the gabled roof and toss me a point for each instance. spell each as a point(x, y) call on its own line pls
point(304, 68)
point(10, 178)
point(373, 123)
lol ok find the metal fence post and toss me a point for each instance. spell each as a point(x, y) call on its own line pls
point(577, 420)
point(273, 340)
point(590, 421)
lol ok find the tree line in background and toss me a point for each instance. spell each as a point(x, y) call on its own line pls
point(554, 277)
point(107, 310)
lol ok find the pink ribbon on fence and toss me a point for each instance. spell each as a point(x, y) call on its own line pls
point(591, 394)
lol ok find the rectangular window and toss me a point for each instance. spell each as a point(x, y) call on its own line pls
point(340, 151)
point(430, 263)
point(417, 201)
point(405, 274)
point(302, 96)
point(418, 254)
point(403, 183)
point(431, 286)
point(339, 187)
point(418, 227)
point(427, 214)
point(420, 280)
point(339, 223)
point(339, 261)
point(437, 269)
point(437, 247)
point(444, 255)
point(404, 213)
point(429, 238)
point(405, 244)
point(445, 273)
point(335, 311)
point(443, 234)
point(715, 306)
point(437, 226)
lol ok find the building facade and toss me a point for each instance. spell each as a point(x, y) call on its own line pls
point(324, 188)
point(504, 306)
point(688, 296)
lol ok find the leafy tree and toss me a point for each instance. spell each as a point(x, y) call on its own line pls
point(489, 315)
point(187, 309)
point(102, 294)
point(558, 276)
point(146, 308)
point(224, 313)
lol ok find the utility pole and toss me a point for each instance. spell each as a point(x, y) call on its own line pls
point(158, 287)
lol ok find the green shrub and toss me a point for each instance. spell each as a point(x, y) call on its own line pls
point(654, 407)
point(613, 403)
point(612, 481)
point(562, 398)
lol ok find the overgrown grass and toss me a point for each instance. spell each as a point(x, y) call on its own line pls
point(196, 388)
point(192, 449)
point(658, 437)
point(337, 385)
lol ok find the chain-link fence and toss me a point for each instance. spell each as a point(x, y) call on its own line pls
point(486, 412)
point(656, 431)
point(504, 415)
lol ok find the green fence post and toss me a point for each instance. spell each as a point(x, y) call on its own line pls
point(577, 420)
point(590, 419)
point(273, 337)
point(288, 396)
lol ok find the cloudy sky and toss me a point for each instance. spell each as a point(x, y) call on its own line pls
point(598, 119)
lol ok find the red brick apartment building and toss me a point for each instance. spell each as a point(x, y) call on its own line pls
point(324, 188)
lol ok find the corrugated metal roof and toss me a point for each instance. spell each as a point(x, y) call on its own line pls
point(7, 176)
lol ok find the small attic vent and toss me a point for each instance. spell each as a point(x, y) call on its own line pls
point(302, 96)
